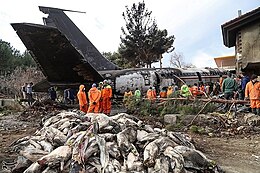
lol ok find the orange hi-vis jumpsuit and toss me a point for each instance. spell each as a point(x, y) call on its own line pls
point(163, 94)
point(94, 96)
point(101, 99)
point(201, 89)
point(83, 103)
point(151, 95)
point(169, 91)
point(253, 91)
point(194, 90)
point(106, 99)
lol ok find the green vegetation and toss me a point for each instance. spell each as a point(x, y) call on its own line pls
point(142, 42)
point(117, 59)
point(146, 107)
point(11, 58)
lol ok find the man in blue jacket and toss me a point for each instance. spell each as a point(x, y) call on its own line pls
point(245, 79)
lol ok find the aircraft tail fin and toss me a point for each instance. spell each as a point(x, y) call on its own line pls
point(57, 18)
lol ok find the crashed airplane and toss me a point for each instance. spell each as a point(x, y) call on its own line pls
point(67, 59)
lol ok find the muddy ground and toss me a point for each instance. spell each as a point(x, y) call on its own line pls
point(235, 154)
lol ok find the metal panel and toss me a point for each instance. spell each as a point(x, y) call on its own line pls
point(59, 19)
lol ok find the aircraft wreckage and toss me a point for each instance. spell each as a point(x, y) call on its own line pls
point(67, 58)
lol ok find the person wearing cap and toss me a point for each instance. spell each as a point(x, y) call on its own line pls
point(94, 96)
point(106, 97)
point(83, 103)
point(252, 92)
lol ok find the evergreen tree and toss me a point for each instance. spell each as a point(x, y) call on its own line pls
point(11, 58)
point(142, 43)
point(117, 59)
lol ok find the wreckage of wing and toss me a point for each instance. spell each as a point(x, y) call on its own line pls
point(58, 59)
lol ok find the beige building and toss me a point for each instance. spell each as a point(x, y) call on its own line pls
point(226, 62)
point(243, 32)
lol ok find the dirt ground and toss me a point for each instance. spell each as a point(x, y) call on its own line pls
point(237, 154)
point(11, 129)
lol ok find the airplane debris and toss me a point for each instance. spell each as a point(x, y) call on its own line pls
point(129, 146)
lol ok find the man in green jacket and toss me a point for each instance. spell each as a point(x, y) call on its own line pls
point(137, 94)
point(229, 87)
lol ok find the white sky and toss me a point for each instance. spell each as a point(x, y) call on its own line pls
point(196, 24)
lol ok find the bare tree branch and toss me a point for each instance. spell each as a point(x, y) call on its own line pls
point(177, 60)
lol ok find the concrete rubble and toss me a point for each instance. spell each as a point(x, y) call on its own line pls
point(73, 142)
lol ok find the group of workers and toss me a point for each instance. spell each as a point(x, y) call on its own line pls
point(99, 98)
point(243, 88)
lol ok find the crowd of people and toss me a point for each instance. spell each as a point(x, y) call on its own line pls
point(241, 87)
point(98, 98)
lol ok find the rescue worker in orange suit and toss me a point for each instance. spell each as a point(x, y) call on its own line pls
point(100, 87)
point(163, 93)
point(106, 97)
point(151, 94)
point(169, 91)
point(201, 89)
point(127, 96)
point(82, 97)
point(194, 90)
point(253, 93)
point(94, 96)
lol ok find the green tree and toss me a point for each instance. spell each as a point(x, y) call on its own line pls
point(142, 43)
point(6, 54)
point(11, 58)
point(117, 59)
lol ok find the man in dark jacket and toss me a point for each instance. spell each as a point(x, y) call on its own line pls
point(229, 87)
point(245, 79)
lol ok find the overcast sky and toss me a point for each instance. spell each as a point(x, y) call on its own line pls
point(196, 24)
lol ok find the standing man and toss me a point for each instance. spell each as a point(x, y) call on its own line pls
point(169, 91)
point(185, 91)
point(151, 94)
point(195, 90)
point(52, 93)
point(106, 97)
point(137, 94)
point(94, 96)
point(252, 92)
point(244, 80)
point(29, 93)
point(229, 86)
point(83, 103)
point(23, 89)
point(127, 97)
point(71, 96)
point(163, 92)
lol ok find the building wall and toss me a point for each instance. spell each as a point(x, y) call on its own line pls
point(248, 46)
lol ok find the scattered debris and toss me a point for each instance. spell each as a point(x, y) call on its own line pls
point(73, 142)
